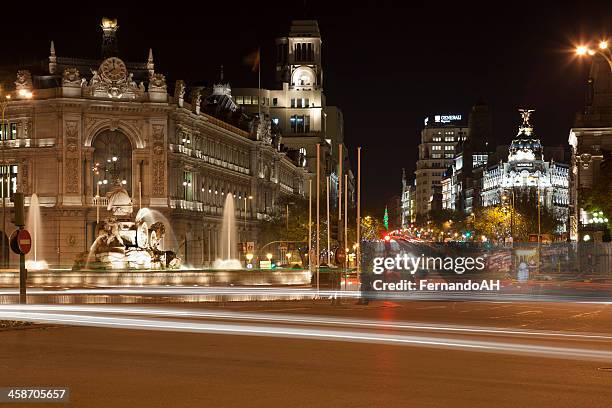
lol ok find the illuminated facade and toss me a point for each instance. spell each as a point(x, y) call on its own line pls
point(407, 203)
point(439, 141)
point(177, 151)
point(298, 107)
point(462, 185)
point(591, 142)
point(526, 169)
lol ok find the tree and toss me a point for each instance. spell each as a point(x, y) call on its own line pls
point(282, 228)
point(371, 229)
point(493, 221)
point(526, 205)
point(386, 219)
point(502, 221)
point(599, 198)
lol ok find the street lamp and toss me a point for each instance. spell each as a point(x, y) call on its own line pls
point(602, 49)
point(98, 184)
point(245, 210)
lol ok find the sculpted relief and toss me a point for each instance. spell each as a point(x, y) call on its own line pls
point(72, 156)
point(159, 162)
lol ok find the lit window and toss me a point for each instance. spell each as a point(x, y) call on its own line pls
point(11, 171)
point(8, 131)
point(300, 123)
point(188, 186)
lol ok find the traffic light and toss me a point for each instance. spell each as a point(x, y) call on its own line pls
point(468, 234)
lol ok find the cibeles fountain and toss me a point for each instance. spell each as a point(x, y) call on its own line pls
point(124, 244)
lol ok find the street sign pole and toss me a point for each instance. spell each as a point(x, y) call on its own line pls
point(23, 280)
point(20, 223)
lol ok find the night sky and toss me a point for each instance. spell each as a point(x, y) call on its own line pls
point(386, 65)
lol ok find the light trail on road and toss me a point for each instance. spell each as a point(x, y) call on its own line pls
point(502, 346)
point(8, 295)
point(295, 319)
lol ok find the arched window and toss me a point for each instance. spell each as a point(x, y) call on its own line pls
point(112, 161)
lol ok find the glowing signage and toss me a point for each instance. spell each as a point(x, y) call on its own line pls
point(446, 118)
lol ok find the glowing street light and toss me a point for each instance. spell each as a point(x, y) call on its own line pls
point(269, 256)
point(602, 49)
point(581, 50)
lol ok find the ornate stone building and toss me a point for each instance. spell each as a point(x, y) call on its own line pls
point(591, 142)
point(527, 169)
point(180, 153)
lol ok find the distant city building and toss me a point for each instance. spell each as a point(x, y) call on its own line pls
point(591, 141)
point(408, 199)
point(525, 169)
point(439, 140)
point(462, 185)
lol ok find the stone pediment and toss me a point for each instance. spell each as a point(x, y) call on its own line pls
point(112, 80)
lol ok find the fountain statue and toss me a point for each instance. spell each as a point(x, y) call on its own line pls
point(124, 244)
point(34, 224)
point(229, 258)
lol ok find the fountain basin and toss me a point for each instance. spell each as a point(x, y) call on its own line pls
point(127, 278)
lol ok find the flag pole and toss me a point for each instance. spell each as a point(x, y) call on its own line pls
point(358, 220)
point(310, 225)
point(259, 83)
point(340, 196)
point(328, 226)
point(318, 213)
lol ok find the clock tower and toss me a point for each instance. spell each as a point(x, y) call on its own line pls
point(298, 60)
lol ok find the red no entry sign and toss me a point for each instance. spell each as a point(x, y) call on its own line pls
point(21, 241)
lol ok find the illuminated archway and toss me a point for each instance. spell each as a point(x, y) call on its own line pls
point(112, 157)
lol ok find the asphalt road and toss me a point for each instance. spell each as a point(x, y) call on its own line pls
point(306, 354)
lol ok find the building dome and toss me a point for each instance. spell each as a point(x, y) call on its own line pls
point(221, 99)
point(525, 146)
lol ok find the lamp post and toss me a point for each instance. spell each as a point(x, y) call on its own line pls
point(98, 201)
point(586, 50)
point(245, 211)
